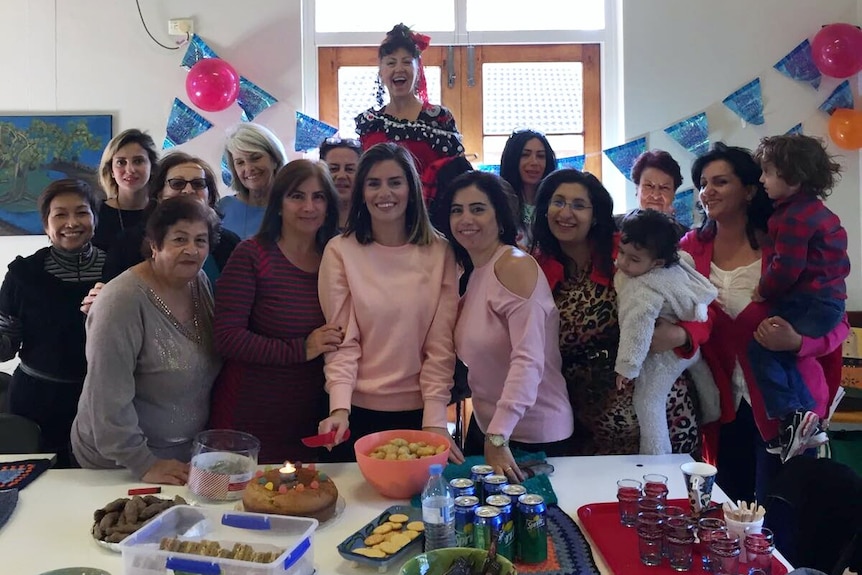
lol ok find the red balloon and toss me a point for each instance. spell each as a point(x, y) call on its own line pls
point(845, 128)
point(837, 50)
point(212, 84)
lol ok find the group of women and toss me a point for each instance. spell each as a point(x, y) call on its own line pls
point(336, 302)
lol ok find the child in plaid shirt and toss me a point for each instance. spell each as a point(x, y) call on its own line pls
point(805, 265)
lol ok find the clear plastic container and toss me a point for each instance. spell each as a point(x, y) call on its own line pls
point(291, 536)
point(223, 462)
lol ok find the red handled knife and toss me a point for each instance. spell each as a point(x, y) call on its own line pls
point(323, 439)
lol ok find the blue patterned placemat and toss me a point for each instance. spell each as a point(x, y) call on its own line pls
point(19, 474)
point(8, 501)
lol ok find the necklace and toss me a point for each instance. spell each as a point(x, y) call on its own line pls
point(120, 212)
point(195, 335)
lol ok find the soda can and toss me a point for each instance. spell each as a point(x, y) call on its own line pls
point(515, 490)
point(532, 529)
point(462, 486)
point(493, 485)
point(487, 523)
point(478, 473)
point(465, 511)
point(506, 543)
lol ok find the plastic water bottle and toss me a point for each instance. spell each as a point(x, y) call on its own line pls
point(438, 510)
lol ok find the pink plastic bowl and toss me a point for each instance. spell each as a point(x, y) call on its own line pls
point(397, 479)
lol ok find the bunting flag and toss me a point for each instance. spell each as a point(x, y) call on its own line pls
point(576, 162)
point(197, 51)
point(624, 156)
point(252, 99)
point(692, 134)
point(311, 132)
point(841, 97)
point(747, 103)
point(799, 65)
point(184, 124)
point(490, 168)
point(226, 176)
point(683, 207)
point(797, 129)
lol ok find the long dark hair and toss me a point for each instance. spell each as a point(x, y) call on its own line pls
point(287, 180)
point(601, 234)
point(510, 162)
point(418, 225)
point(748, 171)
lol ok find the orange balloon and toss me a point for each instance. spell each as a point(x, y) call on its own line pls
point(845, 128)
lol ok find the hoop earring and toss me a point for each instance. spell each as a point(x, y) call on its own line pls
point(378, 95)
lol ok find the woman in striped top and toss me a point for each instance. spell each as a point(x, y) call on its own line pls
point(269, 326)
point(39, 316)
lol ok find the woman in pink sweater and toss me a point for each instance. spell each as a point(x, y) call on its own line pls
point(507, 331)
point(389, 283)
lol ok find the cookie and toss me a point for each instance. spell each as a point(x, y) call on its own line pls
point(374, 539)
point(416, 526)
point(369, 552)
point(398, 518)
point(383, 528)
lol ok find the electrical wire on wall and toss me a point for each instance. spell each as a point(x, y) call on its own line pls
point(147, 30)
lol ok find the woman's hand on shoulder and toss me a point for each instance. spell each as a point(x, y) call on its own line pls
point(455, 455)
point(518, 272)
point(324, 339)
point(776, 334)
point(167, 472)
point(91, 297)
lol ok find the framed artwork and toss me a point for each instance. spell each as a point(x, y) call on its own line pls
point(38, 149)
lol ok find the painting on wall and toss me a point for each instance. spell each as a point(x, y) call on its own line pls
point(37, 149)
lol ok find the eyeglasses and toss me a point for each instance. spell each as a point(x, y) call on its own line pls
point(652, 189)
point(179, 184)
point(336, 142)
point(575, 205)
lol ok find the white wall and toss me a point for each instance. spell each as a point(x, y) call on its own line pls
point(681, 57)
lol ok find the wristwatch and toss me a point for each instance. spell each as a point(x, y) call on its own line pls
point(497, 440)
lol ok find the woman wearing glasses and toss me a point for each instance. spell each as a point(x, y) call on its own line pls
point(342, 157)
point(575, 241)
point(428, 131)
point(178, 174)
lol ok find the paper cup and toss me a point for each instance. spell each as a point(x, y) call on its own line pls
point(699, 480)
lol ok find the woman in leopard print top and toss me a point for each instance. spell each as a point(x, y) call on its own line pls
point(575, 240)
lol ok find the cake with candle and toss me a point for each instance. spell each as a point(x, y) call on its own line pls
point(294, 489)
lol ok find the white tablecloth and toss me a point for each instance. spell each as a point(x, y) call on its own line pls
point(50, 528)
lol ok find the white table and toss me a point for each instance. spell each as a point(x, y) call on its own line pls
point(51, 525)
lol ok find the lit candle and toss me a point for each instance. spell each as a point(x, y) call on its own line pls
point(288, 472)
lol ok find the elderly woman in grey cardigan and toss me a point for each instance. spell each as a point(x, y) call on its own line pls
point(150, 354)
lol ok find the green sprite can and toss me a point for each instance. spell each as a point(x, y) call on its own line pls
point(487, 523)
point(506, 543)
point(532, 529)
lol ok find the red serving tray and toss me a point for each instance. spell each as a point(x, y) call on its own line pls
point(619, 545)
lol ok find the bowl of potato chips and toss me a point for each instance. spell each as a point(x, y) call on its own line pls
point(396, 462)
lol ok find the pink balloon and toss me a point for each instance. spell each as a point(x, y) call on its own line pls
point(837, 50)
point(212, 84)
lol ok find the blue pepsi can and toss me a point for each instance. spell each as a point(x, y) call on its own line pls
point(515, 490)
point(465, 511)
point(493, 485)
point(462, 486)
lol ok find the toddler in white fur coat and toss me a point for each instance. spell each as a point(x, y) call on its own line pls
point(654, 280)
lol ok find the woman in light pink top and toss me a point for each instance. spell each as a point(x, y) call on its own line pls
point(389, 282)
point(507, 331)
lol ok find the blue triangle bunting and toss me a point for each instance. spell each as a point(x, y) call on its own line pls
point(623, 157)
point(841, 97)
point(797, 129)
point(311, 132)
point(683, 207)
point(576, 162)
point(490, 168)
point(197, 51)
point(184, 124)
point(252, 99)
point(692, 134)
point(226, 176)
point(799, 65)
point(747, 103)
